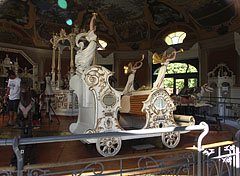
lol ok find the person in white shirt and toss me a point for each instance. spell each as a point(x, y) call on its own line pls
point(13, 95)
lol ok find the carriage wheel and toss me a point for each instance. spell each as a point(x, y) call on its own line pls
point(171, 139)
point(109, 146)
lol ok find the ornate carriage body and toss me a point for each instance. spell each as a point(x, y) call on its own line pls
point(106, 106)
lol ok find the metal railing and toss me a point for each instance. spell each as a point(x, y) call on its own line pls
point(187, 162)
point(223, 106)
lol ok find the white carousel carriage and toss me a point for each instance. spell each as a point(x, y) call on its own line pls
point(100, 106)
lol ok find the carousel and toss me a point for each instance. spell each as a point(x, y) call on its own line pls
point(101, 108)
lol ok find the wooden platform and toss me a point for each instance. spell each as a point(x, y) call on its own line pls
point(76, 150)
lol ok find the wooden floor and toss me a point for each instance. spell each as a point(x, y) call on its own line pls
point(75, 150)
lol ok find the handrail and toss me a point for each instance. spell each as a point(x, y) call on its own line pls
point(221, 97)
point(144, 133)
point(226, 103)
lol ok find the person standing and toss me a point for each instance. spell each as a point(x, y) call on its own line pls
point(13, 94)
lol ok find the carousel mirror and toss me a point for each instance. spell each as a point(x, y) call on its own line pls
point(109, 99)
point(159, 103)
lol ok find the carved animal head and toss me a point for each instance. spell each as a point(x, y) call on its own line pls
point(207, 88)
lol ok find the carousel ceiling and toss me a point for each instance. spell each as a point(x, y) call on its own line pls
point(124, 24)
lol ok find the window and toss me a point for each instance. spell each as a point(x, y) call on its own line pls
point(168, 84)
point(178, 75)
point(102, 43)
point(192, 82)
point(192, 69)
point(175, 38)
point(179, 85)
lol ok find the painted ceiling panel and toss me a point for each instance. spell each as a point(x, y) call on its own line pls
point(49, 11)
point(128, 23)
point(223, 16)
point(213, 12)
point(14, 10)
point(116, 10)
point(163, 14)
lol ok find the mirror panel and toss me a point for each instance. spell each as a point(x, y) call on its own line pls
point(109, 100)
point(159, 103)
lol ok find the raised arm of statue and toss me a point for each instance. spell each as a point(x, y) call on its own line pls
point(132, 68)
point(138, 64)
point(171, 56)
point(92, 25)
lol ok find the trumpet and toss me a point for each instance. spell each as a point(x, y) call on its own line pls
point(157, 59)
point(132, 67)
point(139, 63)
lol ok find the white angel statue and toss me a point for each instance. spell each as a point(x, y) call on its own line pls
point(84, 56)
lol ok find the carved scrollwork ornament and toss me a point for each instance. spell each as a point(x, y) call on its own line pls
point(94, 77)
point(91, 79)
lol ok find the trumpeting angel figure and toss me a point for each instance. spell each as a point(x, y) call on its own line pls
point(131, 70)
point(164, 59)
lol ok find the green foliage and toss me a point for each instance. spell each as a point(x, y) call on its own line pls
point(192, 69)
point(192, 82)
point(168, 82)
point(179, 84)
point(176, 68)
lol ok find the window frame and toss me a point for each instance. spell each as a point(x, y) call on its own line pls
point(186, 76)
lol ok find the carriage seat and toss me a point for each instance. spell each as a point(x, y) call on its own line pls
point(132, 104)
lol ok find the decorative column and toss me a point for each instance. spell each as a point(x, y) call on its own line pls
point(53, 68)
point(54, 41)
point(71, 38)
point(71, 60)
point(59, 69)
